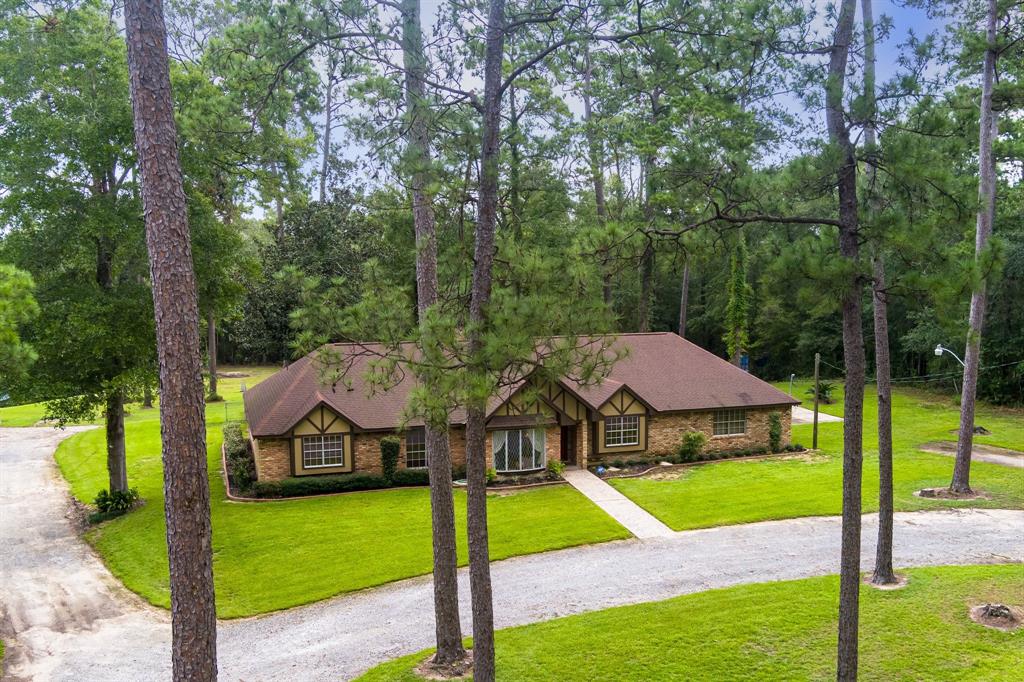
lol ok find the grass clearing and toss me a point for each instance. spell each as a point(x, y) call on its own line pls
point(274, 555)
point(729, 492)
point(771, 631)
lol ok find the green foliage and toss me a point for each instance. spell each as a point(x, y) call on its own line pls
point(319, 485)
point(390, 447)
point(775, 432)
point(555, 468)
point(17, 307)
point(240, 462)
point(825, 391)
point(117, 502)
point(492, 475)
point(737, 310)
point(691, 446)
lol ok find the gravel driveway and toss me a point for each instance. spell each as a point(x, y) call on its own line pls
point(66, 618)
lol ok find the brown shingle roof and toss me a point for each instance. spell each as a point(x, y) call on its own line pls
point(663, 370)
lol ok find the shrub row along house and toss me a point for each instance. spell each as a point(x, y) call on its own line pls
point(665, 387)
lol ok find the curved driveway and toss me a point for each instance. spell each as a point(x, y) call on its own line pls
point(66, 618)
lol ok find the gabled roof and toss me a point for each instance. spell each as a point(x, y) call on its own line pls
point(671, 374)
point(664, 371)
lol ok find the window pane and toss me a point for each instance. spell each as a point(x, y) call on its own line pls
point(623, 430)
point(416, 449)
point(323, 451)
point(730, 422)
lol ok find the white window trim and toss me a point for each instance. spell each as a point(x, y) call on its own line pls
point(426, 462)
point(341, 446)
point(622, 444)
point(504, 433)
point(728, 420)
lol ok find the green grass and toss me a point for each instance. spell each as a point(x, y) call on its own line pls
point(729, 492)
point(771, 631)
point(274, 555)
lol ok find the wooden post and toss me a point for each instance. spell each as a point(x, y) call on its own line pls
point(817, 362)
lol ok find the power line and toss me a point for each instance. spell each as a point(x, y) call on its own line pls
point(923, 377)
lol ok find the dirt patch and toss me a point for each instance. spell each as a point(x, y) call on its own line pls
point(947, 494)
point(949, 448)
point(998, 616)
point(901, 582)
point(459, 670)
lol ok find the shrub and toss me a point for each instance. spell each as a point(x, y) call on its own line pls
point(619, 464)
point(492, 476)
point(825, 389)
point(240, 462)
point(555, 468)
point(410, 477)
point(775, 431)
point(390, 447)
point(691, 446)
point(117, 502)
point(319, 485)
point(794, 447)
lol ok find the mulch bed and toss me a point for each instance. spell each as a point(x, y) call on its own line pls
point(998, 616)
point(947, 494)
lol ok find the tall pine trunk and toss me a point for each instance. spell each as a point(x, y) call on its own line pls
point(211, 350)
point(595, 154)
point(476, 452)
point(325, 158)
point(113, 417)
point(853, 348)
point(448, 629)
point(961, 482)
point(684, 294)
point(182, 414)
point(883, 574)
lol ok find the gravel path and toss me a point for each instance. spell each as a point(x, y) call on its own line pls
point(65, 618)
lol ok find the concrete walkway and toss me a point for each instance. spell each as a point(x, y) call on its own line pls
point(801, 415)
point(635, 518)
point(64, 617)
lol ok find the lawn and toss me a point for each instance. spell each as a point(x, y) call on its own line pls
point(729, 492)
point(273, 555)
point(771, 631)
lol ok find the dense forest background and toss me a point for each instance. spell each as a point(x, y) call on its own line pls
point(632, 161)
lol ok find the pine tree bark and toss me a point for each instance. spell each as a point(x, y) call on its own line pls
point(883, 574)
point(476, 462)
point(684, 294)
point(961, 482)
point(853, 348)
point(325, 159)
point(182, 414)
point(448, 629)
point(211, 350)
point(595, 153)
point(113, 417)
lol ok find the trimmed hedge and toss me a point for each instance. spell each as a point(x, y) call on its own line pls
point(390, 447)
point(340, 483)
point(240, 462)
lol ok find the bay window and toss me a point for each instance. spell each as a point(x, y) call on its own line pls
point(518, 450)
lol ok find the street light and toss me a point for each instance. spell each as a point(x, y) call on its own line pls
point(940, 349)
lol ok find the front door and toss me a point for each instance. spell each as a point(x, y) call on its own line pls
point(569, 444)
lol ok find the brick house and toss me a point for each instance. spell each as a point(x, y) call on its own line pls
point(663, 388)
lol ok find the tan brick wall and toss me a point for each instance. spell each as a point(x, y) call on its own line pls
point(582, 443)
point(271, 455)
point(665, 432)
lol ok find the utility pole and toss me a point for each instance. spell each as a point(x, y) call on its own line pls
point(817, 362)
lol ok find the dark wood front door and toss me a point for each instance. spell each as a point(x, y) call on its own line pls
point(569, 444)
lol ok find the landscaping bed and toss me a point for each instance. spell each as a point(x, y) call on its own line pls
point(639, 467)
